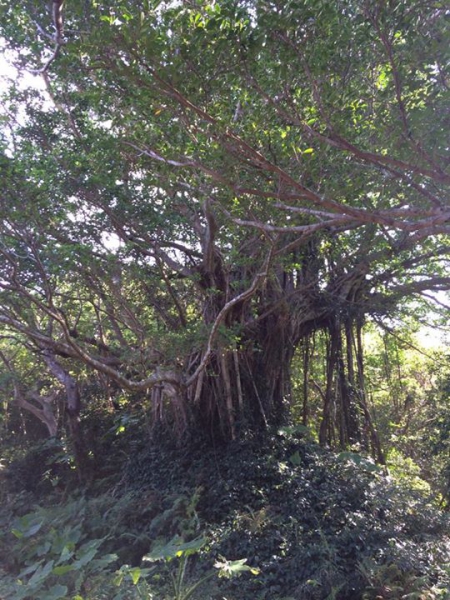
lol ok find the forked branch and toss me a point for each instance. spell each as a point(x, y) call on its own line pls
point(58, 36)
point(248, 293)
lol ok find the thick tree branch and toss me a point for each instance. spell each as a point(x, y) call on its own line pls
point(246, 295)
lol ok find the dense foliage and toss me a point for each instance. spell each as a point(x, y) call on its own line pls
point(202, 187)
point(310, 525)
point(219, 219)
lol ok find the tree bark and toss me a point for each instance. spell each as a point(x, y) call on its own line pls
point(45, 414)
point(73, 399)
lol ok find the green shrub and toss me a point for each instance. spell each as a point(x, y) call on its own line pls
point(43, 467)
point(318, 526)
point(50, 556)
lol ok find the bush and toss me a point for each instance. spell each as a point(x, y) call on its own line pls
point(316, 525)
point(50, 556)
point(44, 467)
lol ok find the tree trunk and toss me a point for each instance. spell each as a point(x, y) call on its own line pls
point(375, 445)
point(45, 414)
point(73, 399)
point(249, 384)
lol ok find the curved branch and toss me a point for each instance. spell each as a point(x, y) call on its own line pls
point(58, 24)
point(257, 281)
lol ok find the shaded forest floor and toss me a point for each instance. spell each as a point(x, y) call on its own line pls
point(311, 524)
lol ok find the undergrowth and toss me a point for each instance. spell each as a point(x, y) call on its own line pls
point(296, 521)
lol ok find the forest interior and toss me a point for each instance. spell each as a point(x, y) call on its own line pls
point(224, 239)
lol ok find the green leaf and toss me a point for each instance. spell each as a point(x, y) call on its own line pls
point(27, 527)
point(135, 574)
point(41, 574)
point(366, 463)
point(232, 568)
point(17, 533)
point(31, 569)
point(104, 561)
point(57, 592)
point(66, 554)
point(118, 578)
point(175, 548)
point(86, 553)
point(62, 569)
point(295, 459)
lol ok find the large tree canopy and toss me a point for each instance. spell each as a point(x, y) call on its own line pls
point(203, 186)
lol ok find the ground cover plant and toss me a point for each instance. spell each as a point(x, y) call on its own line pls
point(293, 520)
